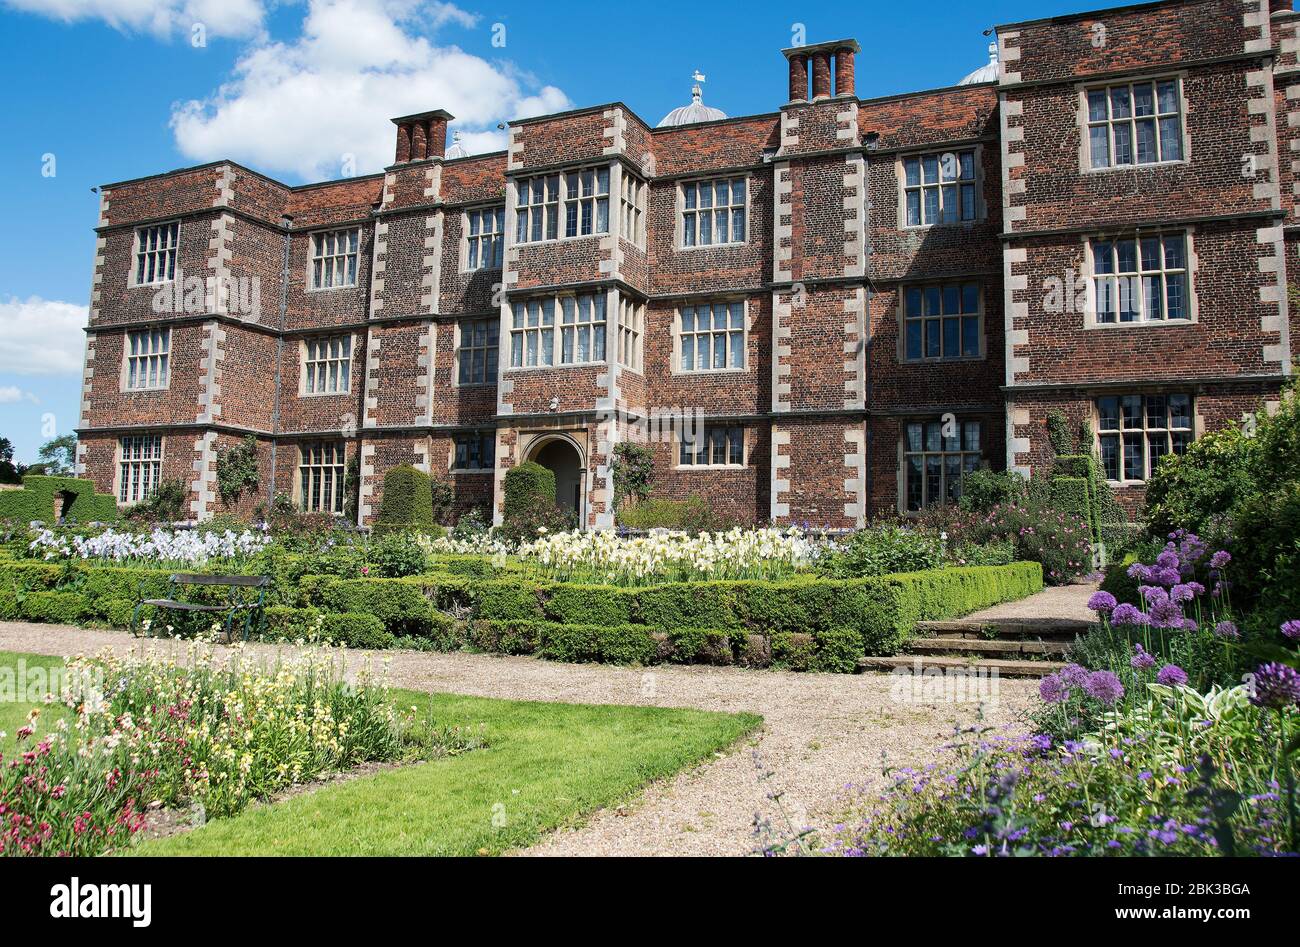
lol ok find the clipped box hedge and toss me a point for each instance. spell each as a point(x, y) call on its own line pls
point(801, 623)
point(35, 501)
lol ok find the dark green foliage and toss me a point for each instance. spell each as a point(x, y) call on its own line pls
point(1267, 558)
point(688, 605)
point(632, 468)
point(237, 470)
point(700, 646)
point(407, 607)
point(589, 605)
point(407, 504)
point(981, 490)
point(691, 515)
point(881, 550)
point(441, 498)
point(1070, 495)
point(1059, 434)
point(529, 492)
point(529, 488)
point(60, 608)
point(357, 630)
point(59, 455)
point(35, 501)
point(506, 600)
point(167, 504)
point(617, 644)
point(1195, 490)
point(397, 555)
point(838, 650)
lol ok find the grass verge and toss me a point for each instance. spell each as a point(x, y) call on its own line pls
point(545, 766)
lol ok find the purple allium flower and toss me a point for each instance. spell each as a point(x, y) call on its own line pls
point(1292, 629)
point(1142, 659)
point(1101, 602)
point(1167, 576)
point(1074, 675)
point(1226, 629)
point(1171, 675)
point(1166, 615)
point(1152, 594)
point(1275, 685)
point(1190, 625)
point(1182, 593)
point(1196, 587)
point(1139, 572)
point(1126, 614)
point(1220, 559)
point(1052, 689)
point(1168, 559)
point(1104, 686)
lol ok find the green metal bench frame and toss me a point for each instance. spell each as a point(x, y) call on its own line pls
point(233, 607)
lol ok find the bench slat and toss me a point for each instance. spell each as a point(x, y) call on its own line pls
point(240, 581)
point(184, 606)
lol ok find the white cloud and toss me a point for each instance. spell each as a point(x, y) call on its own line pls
point(302, 106)
point(237, 19)
point(12, 394)
point(41, 337)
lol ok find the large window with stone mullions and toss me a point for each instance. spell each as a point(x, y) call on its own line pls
point(1135, 123)
point(320, 476)
point(714, 212)
point(935, 458)
point(567, 204)
point(712, 446)
point(535, 343)
point(155, 253)
point(334, 258)
point(941, 321)
point(139, 467)
point(1135, 431)
point(939, 188)
point(1140, 278)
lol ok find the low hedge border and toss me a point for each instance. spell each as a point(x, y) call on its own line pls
point(802, 623)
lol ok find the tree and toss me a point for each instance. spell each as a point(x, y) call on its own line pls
point(59, 455)
point(8, 472)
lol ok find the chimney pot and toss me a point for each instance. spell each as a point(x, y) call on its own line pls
point(403, 144)
point(419, 141)
point(844, 71)
point(821, 75)
point(798, 78)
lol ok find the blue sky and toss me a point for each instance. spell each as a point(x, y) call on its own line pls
point(115, 89)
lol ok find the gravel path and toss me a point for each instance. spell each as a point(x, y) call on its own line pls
point(821, 732)
point(1055, 601)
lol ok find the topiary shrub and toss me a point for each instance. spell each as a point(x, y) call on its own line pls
point(407, 504)
point(529, 492)
point(529, 488)
point(35, 501)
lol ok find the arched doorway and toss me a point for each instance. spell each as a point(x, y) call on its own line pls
point(562, 457)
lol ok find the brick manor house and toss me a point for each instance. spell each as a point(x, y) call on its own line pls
point(860, 298)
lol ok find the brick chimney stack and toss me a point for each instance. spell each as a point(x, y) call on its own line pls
point(827, 80)
point(422, 136)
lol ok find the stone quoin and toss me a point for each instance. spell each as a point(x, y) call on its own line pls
point(840, 305)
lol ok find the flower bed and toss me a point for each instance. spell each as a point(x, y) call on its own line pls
point(185, 547)
point(212, 737)
point(1147, 746)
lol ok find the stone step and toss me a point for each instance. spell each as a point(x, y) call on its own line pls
point(1003, 667)
point(1063, 629)
point(993, 648)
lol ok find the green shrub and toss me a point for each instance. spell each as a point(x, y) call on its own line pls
point(688, 605)
point(588, 604)
point(60, 608)
point(35, 501)
point(1195, 489)
point(406, 607)
point(838, 650)
point(167, 504)
point(881, 550)
point(981, 490)
point(506, 600)
point(631, 467)
point(284, 623)
point(529, 488)
point(397, 555)
point(617, 644)
point(700, 646)
point(357, 630)
point(407, 503)
point(691, 515)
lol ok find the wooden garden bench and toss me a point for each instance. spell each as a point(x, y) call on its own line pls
point(233, 607)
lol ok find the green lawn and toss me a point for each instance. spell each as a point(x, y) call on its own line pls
point(13, 713)
point(545, 766)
